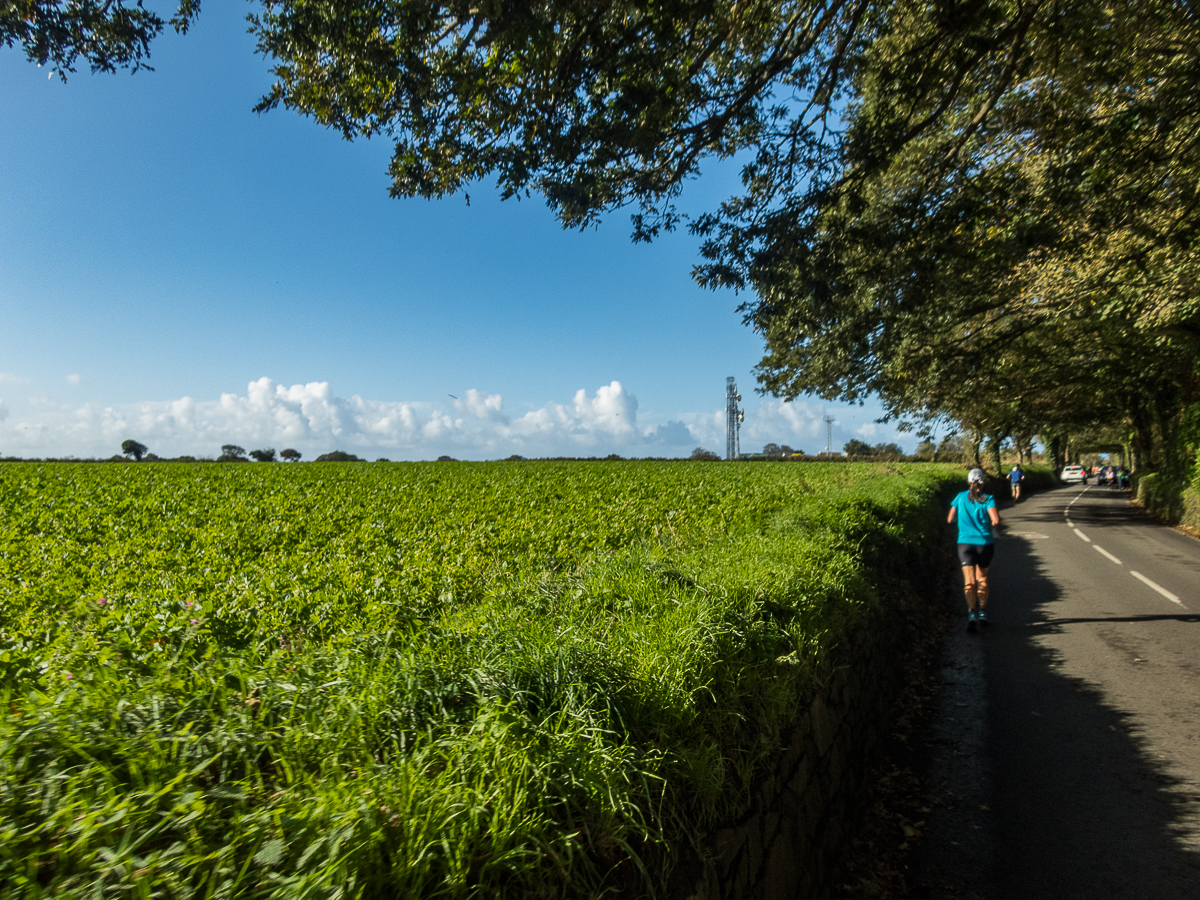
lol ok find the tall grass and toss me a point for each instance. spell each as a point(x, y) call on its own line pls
point(415, 679)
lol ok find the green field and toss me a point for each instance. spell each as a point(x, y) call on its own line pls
point(444, 679)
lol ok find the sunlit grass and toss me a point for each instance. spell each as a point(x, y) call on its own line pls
point(414, 679)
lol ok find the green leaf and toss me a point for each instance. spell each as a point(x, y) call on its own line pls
point(270, 853)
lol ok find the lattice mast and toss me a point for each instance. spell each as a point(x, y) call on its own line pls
point(734, 416)
point(828, 433)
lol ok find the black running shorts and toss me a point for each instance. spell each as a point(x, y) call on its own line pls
point(976, 554)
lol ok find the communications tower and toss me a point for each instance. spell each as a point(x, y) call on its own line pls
point(828, 432)
point(734, 416)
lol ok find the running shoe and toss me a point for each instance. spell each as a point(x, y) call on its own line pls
point(982, 617)
point(971, 622)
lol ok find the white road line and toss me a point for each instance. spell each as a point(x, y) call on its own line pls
point(1067, 510)
point(1138, 575)
point(1162, 590)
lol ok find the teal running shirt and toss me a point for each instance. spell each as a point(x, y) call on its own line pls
point(974, 524)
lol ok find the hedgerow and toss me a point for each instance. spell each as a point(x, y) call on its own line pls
point(382, 680)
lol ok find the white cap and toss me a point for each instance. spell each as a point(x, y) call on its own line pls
point(976, 476)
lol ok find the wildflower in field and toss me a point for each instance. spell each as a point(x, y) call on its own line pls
point(69, 676)
point(195, 621)
point(102, 601)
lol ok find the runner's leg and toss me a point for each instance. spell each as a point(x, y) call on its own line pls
point(970, 588)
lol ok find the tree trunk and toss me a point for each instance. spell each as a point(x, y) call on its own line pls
point(976, 442)
point(1168, 412)
point(1142, 437)
point(1024, 447)
point(1056, 446)
point(995, 439)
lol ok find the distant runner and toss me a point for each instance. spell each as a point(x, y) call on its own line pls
point(1015, 477)
point(977, 516)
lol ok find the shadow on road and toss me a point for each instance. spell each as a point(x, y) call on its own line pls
point(1079, 807)
point(1053, 624)
point(1083, 514)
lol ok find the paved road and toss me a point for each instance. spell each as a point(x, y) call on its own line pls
point(1067, 755)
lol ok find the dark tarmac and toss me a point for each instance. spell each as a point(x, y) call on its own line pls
point(1064, 757)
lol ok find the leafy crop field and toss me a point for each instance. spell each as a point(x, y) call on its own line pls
point(402, 680)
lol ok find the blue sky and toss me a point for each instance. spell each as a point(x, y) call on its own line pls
point(179, 270)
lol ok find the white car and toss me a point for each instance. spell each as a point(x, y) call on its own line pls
point(1074, 473)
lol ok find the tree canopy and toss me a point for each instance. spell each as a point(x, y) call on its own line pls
point(1027, 262)
point(338, 456)
point(108, 35)
point(232, 453)
point(133, 448)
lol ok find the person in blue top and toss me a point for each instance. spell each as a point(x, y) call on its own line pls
point(1015, 477)
point(976, 514)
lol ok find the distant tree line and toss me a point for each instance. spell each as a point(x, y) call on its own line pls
point(856, 447)
point(139, 452)
point(954, 449)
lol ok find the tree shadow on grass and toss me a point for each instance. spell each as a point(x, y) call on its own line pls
point(1081, 808)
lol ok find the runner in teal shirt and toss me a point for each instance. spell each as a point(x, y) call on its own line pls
point(976, 515)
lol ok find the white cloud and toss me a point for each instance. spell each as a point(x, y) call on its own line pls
point(72, 379)
point(867, 430)
point(311, 418)
point(612, 409)
point(488, 407)
point(609, 419)
point(9, 378)
point(795, 422)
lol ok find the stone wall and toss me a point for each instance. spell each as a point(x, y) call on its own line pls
point(789, 842)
